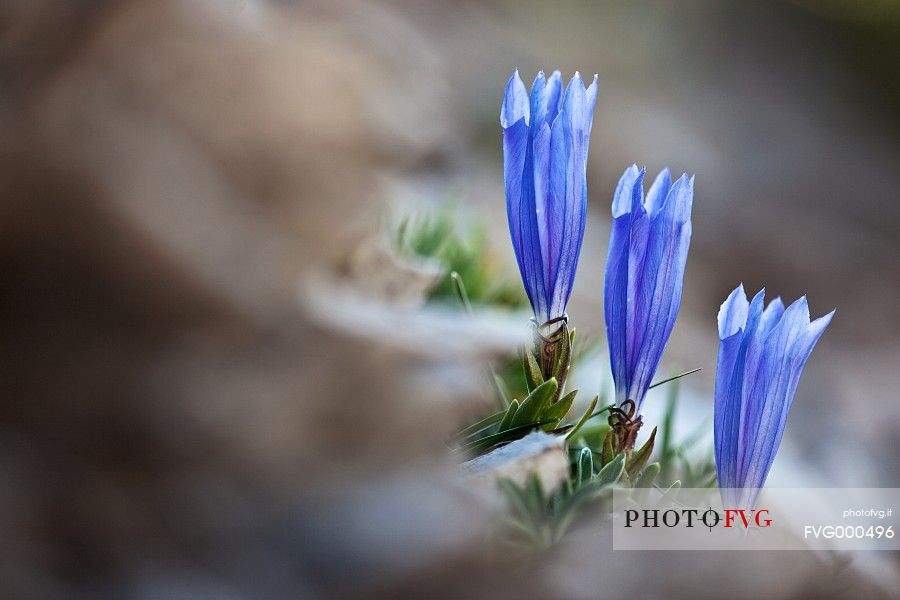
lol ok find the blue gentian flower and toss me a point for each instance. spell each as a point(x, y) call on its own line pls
point(648, 248)
point(761, 356)
point(545, 149)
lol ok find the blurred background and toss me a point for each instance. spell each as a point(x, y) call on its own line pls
point(216, 381)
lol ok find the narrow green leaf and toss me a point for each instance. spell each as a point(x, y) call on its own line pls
point(533, 376)
point(607, 452)
point(584, 418)
point(502, 391)
point(639, 459)
point(480, 425)
point(585, 466)
point(686, 465)
point(507, 435)
point(459, 288)
point(533, 406)
point(645, 482)
point(535, 495)
point(710, 483)
point(670, 495)
point(648, 476)
point(612, 471)
point(401, 231)
point(560, 409)
point(521, 527)
point(568, 509)
point(667, 432)
point(516, 497)
point(508, 417)
point(561, 365)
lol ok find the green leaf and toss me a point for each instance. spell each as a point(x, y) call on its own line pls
point(648, 476)
point(535, 495)
point(710, 483)
point(686, 465)
point(561, 365)
point(481, 425)
point(507, 435)
point(584, 418)
point(667, 452)
point(670, 496)
point(401, 231)
point(585, 466)
point(533, 406)
point(459, 288)
point(502, 390)
point(612, 471)
point(533, 376)
point(521, 527)
point(516, 497)
point(508, 417)
point(639, 458)
point(607, 452)
point(645, 482)
point(559, 409)
point(568, 508)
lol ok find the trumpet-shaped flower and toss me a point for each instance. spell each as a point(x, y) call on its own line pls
point(648, 248)
point(545, 149)
point(762, 352)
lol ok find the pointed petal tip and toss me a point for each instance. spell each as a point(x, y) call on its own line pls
point(737, 292)
point(817, 326)
point(686, 179)
point(576, 78)
point(732, 317)
point(624, 196)
point(515, 105)
point(801, 304)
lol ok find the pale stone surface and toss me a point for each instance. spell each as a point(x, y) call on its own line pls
point(540, 453)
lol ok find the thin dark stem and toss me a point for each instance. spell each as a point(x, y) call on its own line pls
point(659, 383)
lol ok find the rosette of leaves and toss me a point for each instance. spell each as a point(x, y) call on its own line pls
point(544, 407)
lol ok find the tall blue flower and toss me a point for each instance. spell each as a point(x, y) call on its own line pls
point(648, 248)
point(545, 149)
point(761, 355)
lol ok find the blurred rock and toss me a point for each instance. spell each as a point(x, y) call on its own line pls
point(176, 421)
